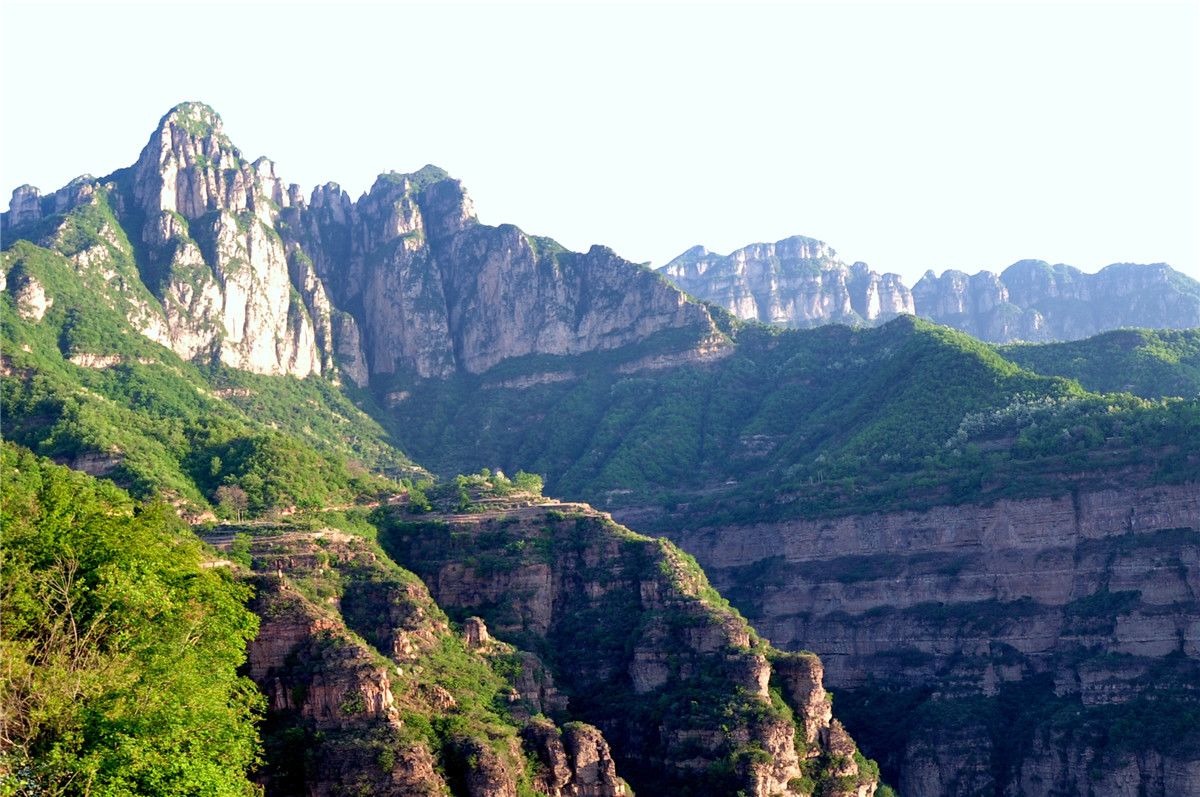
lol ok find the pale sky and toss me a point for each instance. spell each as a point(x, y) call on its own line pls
point(909, 136)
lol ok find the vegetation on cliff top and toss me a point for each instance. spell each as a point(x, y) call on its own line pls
point(628, 603)
point(829, 420)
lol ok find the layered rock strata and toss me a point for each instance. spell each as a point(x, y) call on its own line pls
point(800, 282)
point(369, 690)
point(1023, 643)
point(683, 689)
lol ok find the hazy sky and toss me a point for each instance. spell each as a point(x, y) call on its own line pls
point(909, 136)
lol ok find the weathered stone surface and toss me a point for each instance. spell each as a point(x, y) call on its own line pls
point(575, 760)
point(802, 678)
point(796, 282)
point(1095, 588)
point(440, 292)
point(800, 282)
point(1035, 301)
point(647, 629)
point(244, 272)
point(24, 208)
point(32, 301)
point(475, 633)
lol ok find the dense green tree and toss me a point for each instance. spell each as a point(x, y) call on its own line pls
point(118, 650)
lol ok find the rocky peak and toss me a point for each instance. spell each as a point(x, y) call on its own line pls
point(795, 282)
point(190, 166)
point(799, 247)
point(25, 207)
point(405, 279)
point(447, 207)
point(1036, 301)
point(800, 282)
point(196, 118)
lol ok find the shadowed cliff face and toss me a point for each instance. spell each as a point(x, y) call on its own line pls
point(1037, 646)
point(436, 291)
point(800, 282)
point(691, 699)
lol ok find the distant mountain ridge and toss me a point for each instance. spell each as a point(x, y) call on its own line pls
point(800, 282)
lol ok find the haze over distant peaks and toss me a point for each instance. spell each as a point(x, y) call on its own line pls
point(800, 282)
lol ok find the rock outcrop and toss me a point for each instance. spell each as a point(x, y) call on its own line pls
point(796, 282)
point(1029, 646)
point(799, 282)
point(681, 686)
point(31, 298)
point(437, 292)
point(1035, 301)
point(239, 269)
point(213, 255)
point(373, 692)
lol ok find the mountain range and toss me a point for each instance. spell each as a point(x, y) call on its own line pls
point(990, 550)
point(800, 282)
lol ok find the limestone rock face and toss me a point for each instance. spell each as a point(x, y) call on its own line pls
point(626, 617)
point(225, 284)
point(576, 761)
point(802, 676)
point(475, 632)
point(1034, 301)
point(24, 208)
point(800, 282)
point(796, 282)
point(239, 269)
point(439, 292)
point(347, 348)
point(32, 301)
point(344, 679)
point(1085, 602)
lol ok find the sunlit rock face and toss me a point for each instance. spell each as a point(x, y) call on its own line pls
point(800, 282)
point(796, 282)
point(1035, 301)
point(405, 280)
point(203, 223)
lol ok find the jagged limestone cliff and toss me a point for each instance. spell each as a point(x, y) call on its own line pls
point(369, 690)
point(190, 231)
point(436, 291)
point(799, 282)
point(1035, 301)
point(1033, 646)
point(229, 265)
point(691, 699)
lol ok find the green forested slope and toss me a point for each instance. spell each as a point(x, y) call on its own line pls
point(82, 386)
point(1147, 363)
point(118, 651)
point(830, 419)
